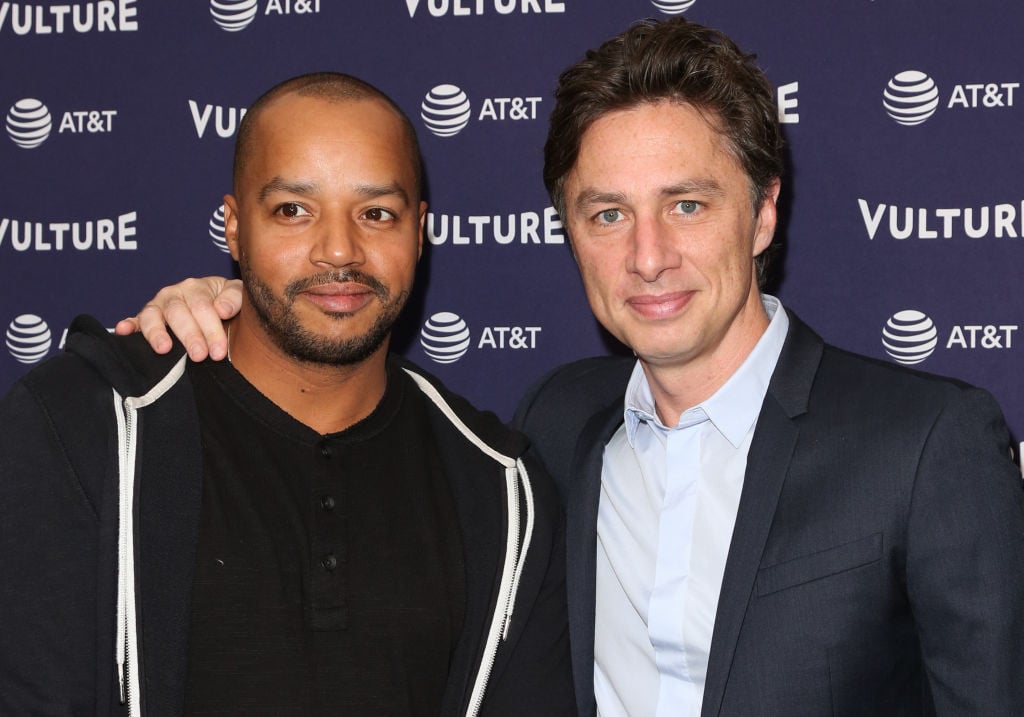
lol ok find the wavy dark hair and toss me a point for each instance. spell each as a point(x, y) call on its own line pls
point(679, 61)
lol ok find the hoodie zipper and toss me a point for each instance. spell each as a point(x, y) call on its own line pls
point(126, 644)
point(126, 640)
point(506, 596)
point(515, 548)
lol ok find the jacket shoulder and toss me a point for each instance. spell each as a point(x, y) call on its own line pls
point(555, 411)
point(570, 394)
point(812, 375)
point(867, 381)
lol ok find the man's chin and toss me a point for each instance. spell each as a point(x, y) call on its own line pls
point(341, 343)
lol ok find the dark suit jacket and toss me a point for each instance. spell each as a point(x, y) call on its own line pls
point(877, 563)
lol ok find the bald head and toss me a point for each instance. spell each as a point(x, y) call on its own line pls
point(330, 87)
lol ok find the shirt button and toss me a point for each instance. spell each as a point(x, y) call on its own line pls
point(325, 450)
point(329, 562)
point(327, 502)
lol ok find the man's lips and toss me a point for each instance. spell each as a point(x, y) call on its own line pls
point(659, 306)
point(339, 297)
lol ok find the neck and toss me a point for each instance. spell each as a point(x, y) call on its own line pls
point(684, 383)
point(324, 397)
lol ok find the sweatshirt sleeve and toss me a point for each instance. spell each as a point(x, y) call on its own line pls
point(49, 563)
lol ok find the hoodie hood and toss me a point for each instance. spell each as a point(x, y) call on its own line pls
point(127, 363)
point(138, 378)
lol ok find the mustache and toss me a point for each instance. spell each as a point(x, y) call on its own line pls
point(341, 276)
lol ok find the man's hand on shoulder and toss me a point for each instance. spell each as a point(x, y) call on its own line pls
point(195, 310)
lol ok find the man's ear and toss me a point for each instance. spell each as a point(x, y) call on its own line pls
point(423, 224)
point(767, 218)
point(231, 224)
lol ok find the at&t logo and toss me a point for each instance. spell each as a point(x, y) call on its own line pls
point(910, 336)
point(233, 15)
point(446, 110)
point(673, 7)
point(911, 97)
point(445, 337)
point(28, 338)
point(236, 15)
point(217, 230)
point(29, 122)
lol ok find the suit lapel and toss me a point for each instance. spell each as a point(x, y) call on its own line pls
point(581, 547)
point(771, 452)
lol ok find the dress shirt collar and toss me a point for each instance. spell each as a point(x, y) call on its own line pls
point(734, 407)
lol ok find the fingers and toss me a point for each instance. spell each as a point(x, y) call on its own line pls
point(229, 300)
point(194, 310)
point(191, 315)
point(126, 326)
point(150, 321)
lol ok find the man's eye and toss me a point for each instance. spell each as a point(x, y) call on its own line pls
point(687, 206)
point(609, 216)
point(378, 214)
point(291, 210)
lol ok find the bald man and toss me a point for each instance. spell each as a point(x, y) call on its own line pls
point(311, 527)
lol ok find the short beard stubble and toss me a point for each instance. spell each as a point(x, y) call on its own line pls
point(278, 318)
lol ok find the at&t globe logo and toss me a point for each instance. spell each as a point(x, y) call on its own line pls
point(233, 15)
point(445, 110)
point(673, 7)
point(445, 337)
point(28, 338)
point(911, 97)
point(909, 337)
point(29, 123)
point(217, 230)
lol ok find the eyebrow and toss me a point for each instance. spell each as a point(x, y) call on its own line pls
point(279, 184)
point(589, 197)
point(382, 190)
point(694, 186)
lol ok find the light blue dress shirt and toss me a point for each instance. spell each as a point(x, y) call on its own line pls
point(669, 497)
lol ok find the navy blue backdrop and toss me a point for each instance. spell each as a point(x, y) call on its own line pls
point(903, 208)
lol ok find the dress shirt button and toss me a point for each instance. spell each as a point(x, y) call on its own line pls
point(327, 502)
point(329, 562)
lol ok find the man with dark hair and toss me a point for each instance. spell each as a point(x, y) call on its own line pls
point(311, 527)
point(758, 523)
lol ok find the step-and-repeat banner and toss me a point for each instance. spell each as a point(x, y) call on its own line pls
point(903, 207)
